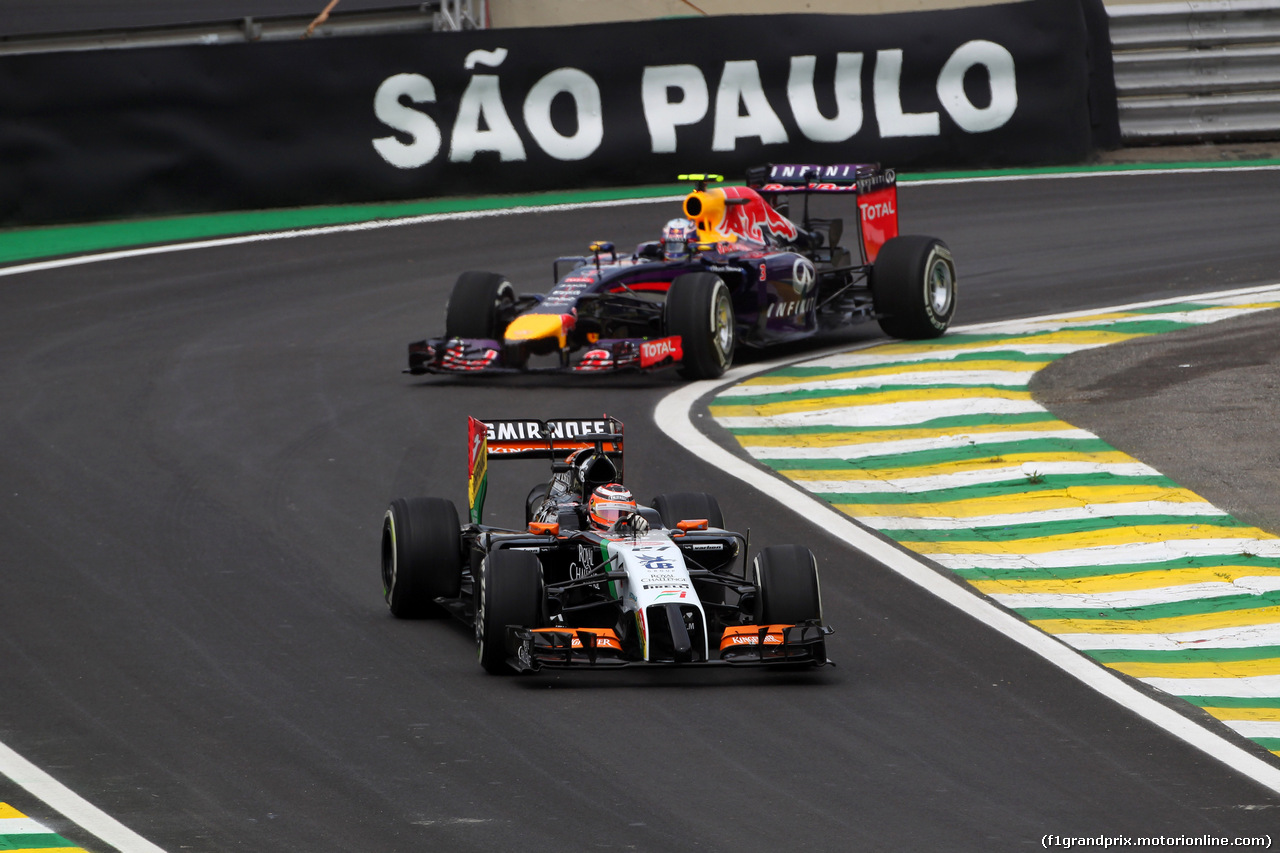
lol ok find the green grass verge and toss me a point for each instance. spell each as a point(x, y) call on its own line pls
point(25, 244)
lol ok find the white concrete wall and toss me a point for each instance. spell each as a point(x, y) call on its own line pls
point(541, 13)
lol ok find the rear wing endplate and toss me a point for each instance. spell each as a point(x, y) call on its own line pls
point(527, 438)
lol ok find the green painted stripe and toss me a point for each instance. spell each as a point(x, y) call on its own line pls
point(1269, 743)
point(1156, 611)
point(33, 841)
point(1011, 421)
point(50, 241)
point(1137, 327)
point(1018, 486)
point(860, 391)
point(1173, 308)
point(947, 455)
point(1035, 530)
point(1233, 701)
point(1188, 655)
point(1093, 571)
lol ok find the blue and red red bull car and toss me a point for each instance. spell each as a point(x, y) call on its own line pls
point(733, 271)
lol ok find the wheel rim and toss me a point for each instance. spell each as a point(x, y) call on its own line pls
point(388, 556)
point(722, 324)
point(504, 309)
point(940, 287)
point(480, 626)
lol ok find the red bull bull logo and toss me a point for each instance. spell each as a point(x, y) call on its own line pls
point(729, 214)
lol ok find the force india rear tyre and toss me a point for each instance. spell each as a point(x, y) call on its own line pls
point(700, 310)
point(421, 556)
point(787, 590)
point(913, 285)
point(682, 506)
point(509, 593)
point(481, 306)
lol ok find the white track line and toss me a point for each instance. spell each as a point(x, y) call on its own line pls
point(376, 224)
point(72, 806)
point(673, 417)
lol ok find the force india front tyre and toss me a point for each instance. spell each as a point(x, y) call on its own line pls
point(509, 592)
point(787, 591)
point(421, 556)
point(700, 310)
point(913, 286)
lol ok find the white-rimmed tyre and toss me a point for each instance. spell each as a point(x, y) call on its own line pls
point(787, 591)
point(913, 286)
point(421, 556)
point(700, 310)
point(481, 306)
point(509, 592)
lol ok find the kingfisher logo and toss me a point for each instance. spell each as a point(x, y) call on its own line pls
point(653, 352)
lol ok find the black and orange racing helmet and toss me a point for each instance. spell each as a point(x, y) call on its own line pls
point(609, 503)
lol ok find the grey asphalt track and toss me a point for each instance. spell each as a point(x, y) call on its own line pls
point(198, 449)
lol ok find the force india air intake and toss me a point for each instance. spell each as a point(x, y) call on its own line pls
point(594, 580)
point(734, 271)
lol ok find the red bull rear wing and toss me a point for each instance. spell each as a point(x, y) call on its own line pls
point(859, 178)
point(874, 187)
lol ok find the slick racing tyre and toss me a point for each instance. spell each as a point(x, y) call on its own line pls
point(787, 590)
point(481, 306)
point(509, 593)
point(421, 556)
point(913, 285)
point(537, 495)
point(700, 311)
point(680, 506)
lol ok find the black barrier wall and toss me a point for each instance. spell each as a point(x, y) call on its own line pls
point(106, 134)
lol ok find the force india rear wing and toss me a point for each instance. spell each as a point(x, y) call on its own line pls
point(527, 438)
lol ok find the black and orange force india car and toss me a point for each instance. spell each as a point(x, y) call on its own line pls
point(662, 585)
point(733, 271)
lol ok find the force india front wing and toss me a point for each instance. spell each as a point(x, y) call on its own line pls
point(478, 355)
point(532, 649)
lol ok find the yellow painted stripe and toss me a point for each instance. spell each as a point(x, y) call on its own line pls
point(1075, 496)
point(1256, 715)
point(898, 369)
point(47, 850)
point(1076, 337)
point(1247, 306)
point(850, 401)
point(836, 437)
point(1126, 581)
point(1091, 539)
point(1167, 625)
point(8, 811)
point(1007, 460)
point(1199, 669)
